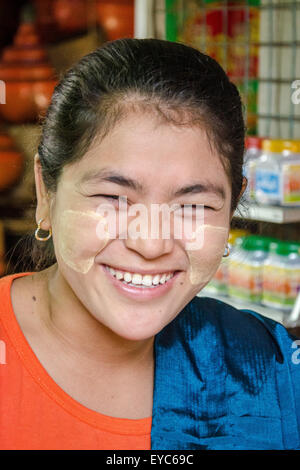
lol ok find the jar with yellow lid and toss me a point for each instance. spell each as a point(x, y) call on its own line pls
point(277, 173)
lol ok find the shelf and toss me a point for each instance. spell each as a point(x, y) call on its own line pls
point(273, 313)
point(274, 214)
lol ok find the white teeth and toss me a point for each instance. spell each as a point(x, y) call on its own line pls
point(155, 280)
point(135, 278)
point(127, 277)
point(147, 280)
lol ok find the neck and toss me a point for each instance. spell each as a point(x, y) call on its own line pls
point(80, 332)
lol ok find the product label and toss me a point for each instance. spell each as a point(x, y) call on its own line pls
point(245, 281)
point(291, 183)
point(267, 182)
point(280, 286)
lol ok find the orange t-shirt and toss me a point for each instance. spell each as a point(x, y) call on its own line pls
point(36, 414)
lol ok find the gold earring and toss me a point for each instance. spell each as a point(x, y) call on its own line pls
point(41, 239)
point(227, 251)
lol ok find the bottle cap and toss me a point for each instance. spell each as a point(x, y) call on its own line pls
point(292, 146)
point(252, 141)
point(257, 243)
point(285, 248)
point(273, 145)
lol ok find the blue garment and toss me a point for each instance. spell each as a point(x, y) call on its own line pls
point(225, 379)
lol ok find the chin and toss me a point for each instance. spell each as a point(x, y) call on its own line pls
point(138, 333)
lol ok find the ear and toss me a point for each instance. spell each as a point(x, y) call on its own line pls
point(244, 186)
point(43, 203)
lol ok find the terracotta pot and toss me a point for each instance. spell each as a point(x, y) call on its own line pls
point(28, 76)
point(26, 35)
point(26, 54)
point(26, 100)
point(116, 17)
point(11, 163)
point(71, 15)
point(45, 21)
point(13, 72)
point(6, 142)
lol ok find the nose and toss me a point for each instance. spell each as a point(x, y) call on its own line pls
point(152, 243)
point(150, 248)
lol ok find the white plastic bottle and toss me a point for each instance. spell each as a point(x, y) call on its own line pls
point(252, 153)
point(290, 173)
point(268, 173)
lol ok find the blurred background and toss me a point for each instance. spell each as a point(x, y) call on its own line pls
point(257, 43)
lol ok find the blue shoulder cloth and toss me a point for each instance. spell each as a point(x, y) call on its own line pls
point(225, 379)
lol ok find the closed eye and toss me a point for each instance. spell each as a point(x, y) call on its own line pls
point(195, 206)
point(117, 198)
point(108, 196)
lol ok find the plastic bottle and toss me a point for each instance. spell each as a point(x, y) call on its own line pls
point(277, 173)
point(290, 173)
point(219, 283)
point(268, 173)
point(281, 275)
point(245, 268)
point(253, 151)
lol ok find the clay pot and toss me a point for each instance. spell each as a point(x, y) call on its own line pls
point(116, 17)
point(13, 72)
point(29, 78)
point(11, 163)
point(22, 54)
point(45, 21)
point(6, 142)
point(26, 100)
point(26, 35)
point(71, 15)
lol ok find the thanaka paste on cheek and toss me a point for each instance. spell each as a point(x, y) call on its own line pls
point(204, 261)
point(79, 239)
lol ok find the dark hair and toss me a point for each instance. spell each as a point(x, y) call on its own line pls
point(177, 82)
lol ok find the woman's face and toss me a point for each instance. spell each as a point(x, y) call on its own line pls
point(147, 164)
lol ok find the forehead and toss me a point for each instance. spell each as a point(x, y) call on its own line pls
point(142, 146)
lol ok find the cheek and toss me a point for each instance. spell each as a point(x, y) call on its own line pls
point(207, 253)
point(79, 237)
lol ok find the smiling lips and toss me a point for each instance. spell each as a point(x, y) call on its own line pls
point(138, 279)
point(146, 290)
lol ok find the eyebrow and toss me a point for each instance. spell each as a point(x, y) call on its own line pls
point(111, 176)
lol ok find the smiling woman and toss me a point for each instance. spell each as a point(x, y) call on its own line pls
point(107, 340)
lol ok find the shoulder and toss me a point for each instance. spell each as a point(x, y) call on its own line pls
point(233, 328)
point(12, 294)
point(246, 326)
point(243, 342)
point(250, 364)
